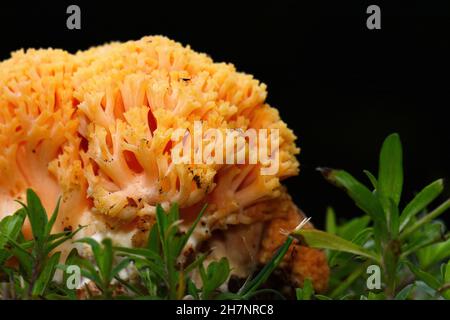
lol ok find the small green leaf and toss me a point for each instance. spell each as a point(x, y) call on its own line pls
point(198, 260)
point(60, 239)
point(105, 263)
point(249, 287)
point(46, 275)
point(299, 293)
point(103, 259)
point(120, 266)
point(37, 216)
point(359, 239)
point(447, 273)
point(426, 277)
point(10, 228)
point(390, 172)
point(88, 271)
point(376, 296)
point(446, 268)
point(162, 223)
point(362, 196)
point(95, 246)
point(143, 264)
point(25, 258)
point(319, 239)
point(343, 284)
point(173, 214)
point(445, 288)
point(143, 252)
point(421, 201)
point(192, 289)
point(351, 228)
point(307, 290)
point(426, 219)
point(188, 234)
point(330, 222)
point(372, 179)
point(51, 222)
point(216, 274)
point(154, 243)
point(405, 292)
point(130, 286)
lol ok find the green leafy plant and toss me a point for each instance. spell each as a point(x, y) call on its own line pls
point(161, 273)
point(164, 277)
point(408, 243)
point(37, 259)
point(306, 292)
point(101, 271)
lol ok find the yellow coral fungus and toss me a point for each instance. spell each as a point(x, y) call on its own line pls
point(97, 128)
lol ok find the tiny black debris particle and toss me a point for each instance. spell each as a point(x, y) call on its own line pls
point(198, 181)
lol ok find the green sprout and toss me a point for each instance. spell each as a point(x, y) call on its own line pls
point(408, 243)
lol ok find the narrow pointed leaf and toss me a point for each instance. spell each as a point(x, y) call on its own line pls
point(120, 266)
point(191, 229)
point(106, 262)
point(95, 246)
point(51, 222)
point(426, 277)
point(36, 215)
point(10, 228)
point(447, 273)
point(405, 292)
point(154, 243)
point(421, 201)
point(362, 196)
point(250, 286)
point(322, 240)
point(143, 252)
point(351, 228)
point(64, 236)
point(390, 172)
point(330, 222)
point(372, 179)
point(308, 289)
point(426, 219)
point(46, 275)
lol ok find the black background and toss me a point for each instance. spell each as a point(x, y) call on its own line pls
point(340, 86)
point(283, 309)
